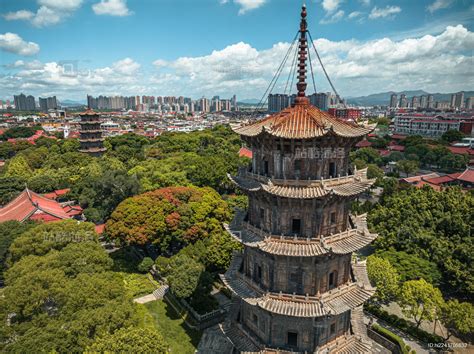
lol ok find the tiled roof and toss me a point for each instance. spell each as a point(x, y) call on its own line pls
point(467, 176)
point(348, 345)
point(29, 203)
point(303, 121)
point(342, 186)
point(341, 243)
point(333, 302)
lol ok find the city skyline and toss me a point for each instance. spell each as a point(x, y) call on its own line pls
point(224, 47)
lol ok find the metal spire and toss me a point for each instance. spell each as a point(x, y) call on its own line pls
point(302, 55)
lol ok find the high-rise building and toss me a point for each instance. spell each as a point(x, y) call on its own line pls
point(320, 100)
point(393, 100)
point(423, 102)
point(234, 103)
point(294, 285)
point(414, 102)
point(403, 101)
point(459, 101)
point(431, 103)
point(24, 103)
point(277, 102)
point(48, 103)
point(90, 138)
point(216, 104)
point(204, 105)
point(226, 105)
point(470, 103)
point(453, 100)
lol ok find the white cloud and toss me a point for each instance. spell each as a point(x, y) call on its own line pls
point(49, 13)
point(435, 63)
point(354, 14)
point(13, 43)
point(365, 2)
point(248, 5)
point(331, 5)
point(112, 8)
point(333, 18)
point(385, 12)
point(19, 15)
point(160, 63)
point(439, 4)
point(65, 5)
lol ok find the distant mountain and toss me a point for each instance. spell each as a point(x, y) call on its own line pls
point(71, 103)
point(383, 98)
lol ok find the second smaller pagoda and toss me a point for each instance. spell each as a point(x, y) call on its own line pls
point(91, 139)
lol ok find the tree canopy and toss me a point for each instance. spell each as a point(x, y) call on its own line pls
point(168, 217)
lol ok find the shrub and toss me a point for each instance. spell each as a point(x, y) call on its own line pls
point(392, 337)
point(145, 265)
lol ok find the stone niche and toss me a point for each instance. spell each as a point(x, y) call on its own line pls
point(301, 217)
point(299, 275)
point(300, 159)
point(293, 333)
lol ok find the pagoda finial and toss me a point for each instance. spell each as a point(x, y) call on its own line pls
point(302, 55)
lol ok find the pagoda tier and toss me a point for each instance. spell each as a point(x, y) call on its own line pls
point(347, 186)
point(344, 242)
point(91, 138)
point(303, 121)
point(334, 302)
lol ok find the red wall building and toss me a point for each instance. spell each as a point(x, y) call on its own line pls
point(345, 113)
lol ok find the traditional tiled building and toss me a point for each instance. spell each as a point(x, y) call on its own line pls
point(91, 138)
point(295, 286)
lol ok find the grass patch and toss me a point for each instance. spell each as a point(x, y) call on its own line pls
point(139, 284)
point(160, 315)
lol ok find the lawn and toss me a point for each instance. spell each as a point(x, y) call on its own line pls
point(160, 315)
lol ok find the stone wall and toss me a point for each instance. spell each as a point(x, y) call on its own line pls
point(277, 330)
point(316, 217)
point(299, 275)
point(300, 159)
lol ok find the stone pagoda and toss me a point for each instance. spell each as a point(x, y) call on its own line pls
point(295, 285)
point(90, 138)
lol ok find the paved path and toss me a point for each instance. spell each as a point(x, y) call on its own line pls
point(145, 299)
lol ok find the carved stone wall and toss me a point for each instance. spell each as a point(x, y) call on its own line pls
point(299, 275)
point(300, 159)
point(308, 333)
point(275, 215)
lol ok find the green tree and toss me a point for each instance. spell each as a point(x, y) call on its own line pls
point(18, 167)
point(46, 237)
point(131, 340)
point(369, 155)
point(420, 300)
point(184, 275)
point(170, 218)
point(407, 166)
point(458, 318)
point(145, 265)
point(385, 277)
point(452, 135)
point(9, 231)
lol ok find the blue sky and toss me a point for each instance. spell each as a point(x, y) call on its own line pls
point(207, 47)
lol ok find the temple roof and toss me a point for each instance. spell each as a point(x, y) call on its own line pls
point(341, 243)
point(333, 302)
point(30, 204)
point(342, 186)
point(303, 121)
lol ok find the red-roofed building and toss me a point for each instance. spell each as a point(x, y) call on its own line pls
point(100, 228)
point(57, 194)
point(400, 148)
point(245, 152)
point(466, 179)
point(30, 205)
point(363, 144)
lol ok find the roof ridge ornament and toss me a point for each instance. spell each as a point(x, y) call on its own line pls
point(302, 55)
